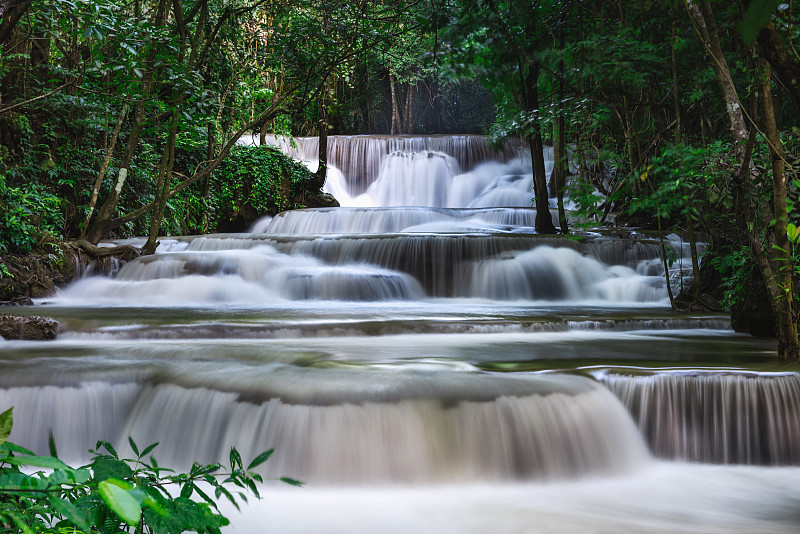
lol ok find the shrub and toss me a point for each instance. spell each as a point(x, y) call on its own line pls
point(115, 495)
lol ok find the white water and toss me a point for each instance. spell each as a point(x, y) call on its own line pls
point(423, 369)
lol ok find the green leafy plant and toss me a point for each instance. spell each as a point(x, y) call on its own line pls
point(735, 267)
point(113, 494)
point(29, 213)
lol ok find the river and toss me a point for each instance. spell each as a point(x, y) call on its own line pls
point(434, 368)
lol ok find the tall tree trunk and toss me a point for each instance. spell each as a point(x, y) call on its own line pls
point(162, 185)
point(676, 99)
point(101, 224)
point(705, 24)
point(782, 270)
point(322, 170)
point(10, 13)
point(561, 161)
point(777, 279)
point(786, 67)
point(408, 116)
point(543, 221)
point(100, 175)
point(395, 107)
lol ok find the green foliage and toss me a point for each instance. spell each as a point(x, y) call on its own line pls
point(112, 494)
point(735, 267)
point(682, 181)
point(262, 180)
point(29, 214)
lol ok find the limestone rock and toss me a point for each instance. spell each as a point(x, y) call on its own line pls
point(33, 328)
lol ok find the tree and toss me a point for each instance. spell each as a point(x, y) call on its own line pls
point(500, 43)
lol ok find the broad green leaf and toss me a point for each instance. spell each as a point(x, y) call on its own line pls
point(105, 468)
point(71, 512)
point(6, 422)
point(16, 481)
point(792, 232)
point(260, 459)
point(48, 462)
point(71, 476)
point(291, 481)
point(116, 494)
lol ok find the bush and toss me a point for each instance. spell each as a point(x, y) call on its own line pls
point(257, 181)
point(115, 495)
point(29, 213)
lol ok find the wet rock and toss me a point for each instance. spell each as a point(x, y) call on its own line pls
point(33, 328)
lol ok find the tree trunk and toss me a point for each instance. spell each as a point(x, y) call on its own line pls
point(395, 108)
point(543, 221)
point(162, 186)
point(408, 116)
point(322, 170)
point(101, 224)
point(561, 161)
point(703, 18)
point(777, 279)
point(676, 100)
point(100, 175)
point(10, 13)
point(783, 301)
point(786, 67)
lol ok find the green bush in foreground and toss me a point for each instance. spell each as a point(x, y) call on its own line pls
point(115, 495)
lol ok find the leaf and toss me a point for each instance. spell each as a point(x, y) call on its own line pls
point(108, 446)
point(6, 422)
point(756, 17)
point(260, 459)
point(16, 481)
point(21, 524)
point(291, 481)
point(147, 450)
point(134, 448)
point(72, 513)
point(106, 468)
point(236, 459)
point(48, 462)
point(792, 232)
point(51, 444)
point(116, 495)
point(11, 447)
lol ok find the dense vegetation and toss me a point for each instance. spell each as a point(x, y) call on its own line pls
point(121, 118)
point(113, 494)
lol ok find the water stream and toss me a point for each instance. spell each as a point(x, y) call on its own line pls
point(434, 368)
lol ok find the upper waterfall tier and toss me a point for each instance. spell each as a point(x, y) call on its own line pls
point(461, 171)
point(359, 157)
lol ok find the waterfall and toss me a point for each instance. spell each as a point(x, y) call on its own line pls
point(429, 368)
point(743, 418)
point(544, 428)
point(359, 157)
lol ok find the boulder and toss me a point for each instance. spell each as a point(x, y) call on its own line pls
point(32, 327)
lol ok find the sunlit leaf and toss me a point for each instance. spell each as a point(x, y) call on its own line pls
point(116, 494)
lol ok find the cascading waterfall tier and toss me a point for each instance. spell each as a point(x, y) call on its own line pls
point(374, 267)
point(736, 417)
point(434, 429)
point(359, 157)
